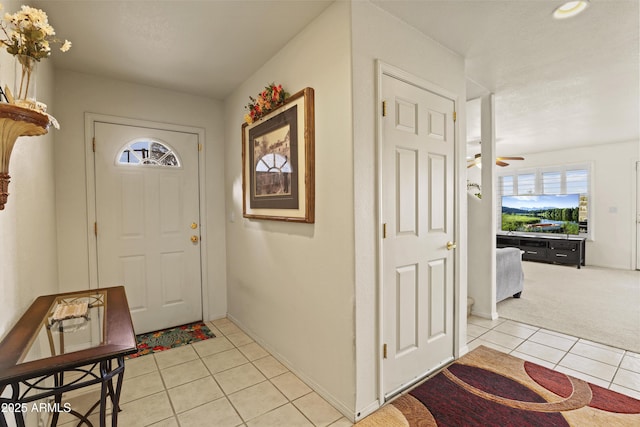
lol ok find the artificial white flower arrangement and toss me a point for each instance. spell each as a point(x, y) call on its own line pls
point(28, 36)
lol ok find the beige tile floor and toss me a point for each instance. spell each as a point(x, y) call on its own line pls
point(224, 381)
point(608, 367)
point(231, 381)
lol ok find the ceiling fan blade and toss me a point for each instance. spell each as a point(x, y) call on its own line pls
point(473, 162)
point(499, 160)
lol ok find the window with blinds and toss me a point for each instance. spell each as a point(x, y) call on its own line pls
point(577, 181)
point(506, 184)
point(552, 183)
point(526, 184)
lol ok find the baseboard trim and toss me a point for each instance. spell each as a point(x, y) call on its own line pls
point(492, 316)
point(464, 350)
point(344, 410)
point(367, 410)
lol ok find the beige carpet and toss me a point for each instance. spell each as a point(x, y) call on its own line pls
point(597, 304)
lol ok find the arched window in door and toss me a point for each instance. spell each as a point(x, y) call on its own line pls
point(148, 152)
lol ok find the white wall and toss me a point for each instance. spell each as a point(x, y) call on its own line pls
point(79, 93)
point(290, 286)
point(28, 262)
point(613, 197)
point(378, 35)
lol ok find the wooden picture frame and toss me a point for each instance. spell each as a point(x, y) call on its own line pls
point(278, 162)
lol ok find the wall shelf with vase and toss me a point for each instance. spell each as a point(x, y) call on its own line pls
point(16, 121)
point(27, 35)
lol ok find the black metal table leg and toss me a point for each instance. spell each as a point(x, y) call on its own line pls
point(115, 393)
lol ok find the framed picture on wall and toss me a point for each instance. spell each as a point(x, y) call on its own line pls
point(278, 179)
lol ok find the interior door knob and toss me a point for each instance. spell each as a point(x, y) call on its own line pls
point(194, 239)
point(451, 245)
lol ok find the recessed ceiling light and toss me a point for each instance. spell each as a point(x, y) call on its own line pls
point(570, 8)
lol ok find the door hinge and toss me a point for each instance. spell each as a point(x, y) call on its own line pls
point(384, 351)
point(384, 230)
point(95, 228)
point(384, 108)
point(455, 116)
point(94, 144)
point(199, 147)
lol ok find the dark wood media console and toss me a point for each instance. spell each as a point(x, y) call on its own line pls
point(552, 249)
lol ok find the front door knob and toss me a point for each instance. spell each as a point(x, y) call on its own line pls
point(194, 239)
point(451, 245)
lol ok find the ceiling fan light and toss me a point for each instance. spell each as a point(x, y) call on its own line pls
point(570, 9)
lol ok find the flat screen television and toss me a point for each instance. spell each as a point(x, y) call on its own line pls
point(548, 213)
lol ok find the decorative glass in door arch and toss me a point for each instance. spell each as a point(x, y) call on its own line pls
point(148, 152)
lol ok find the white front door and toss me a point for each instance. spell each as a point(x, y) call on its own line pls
point(417, 206)
point(147, 211)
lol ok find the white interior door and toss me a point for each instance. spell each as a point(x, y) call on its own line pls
point(417, 213)
point(147, 211)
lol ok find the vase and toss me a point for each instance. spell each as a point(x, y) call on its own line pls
point(24, 92)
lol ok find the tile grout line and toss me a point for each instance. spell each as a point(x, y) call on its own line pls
point(557, 365)
point(224, 393)
point(166, 391)
point(288, 401)
point(618, 368)
point(210, 374)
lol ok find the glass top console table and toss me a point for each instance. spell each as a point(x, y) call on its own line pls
point(65, 342)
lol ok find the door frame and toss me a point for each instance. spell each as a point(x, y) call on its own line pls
point(89, 125)
point(636, 222)
point(384, 69)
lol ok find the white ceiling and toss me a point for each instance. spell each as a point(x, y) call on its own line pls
point(558, 84)
point(204, 47)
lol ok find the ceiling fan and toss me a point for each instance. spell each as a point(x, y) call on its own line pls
point(500, 161)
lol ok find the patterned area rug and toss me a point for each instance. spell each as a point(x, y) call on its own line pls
point(165, 339)
point(489, 388)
